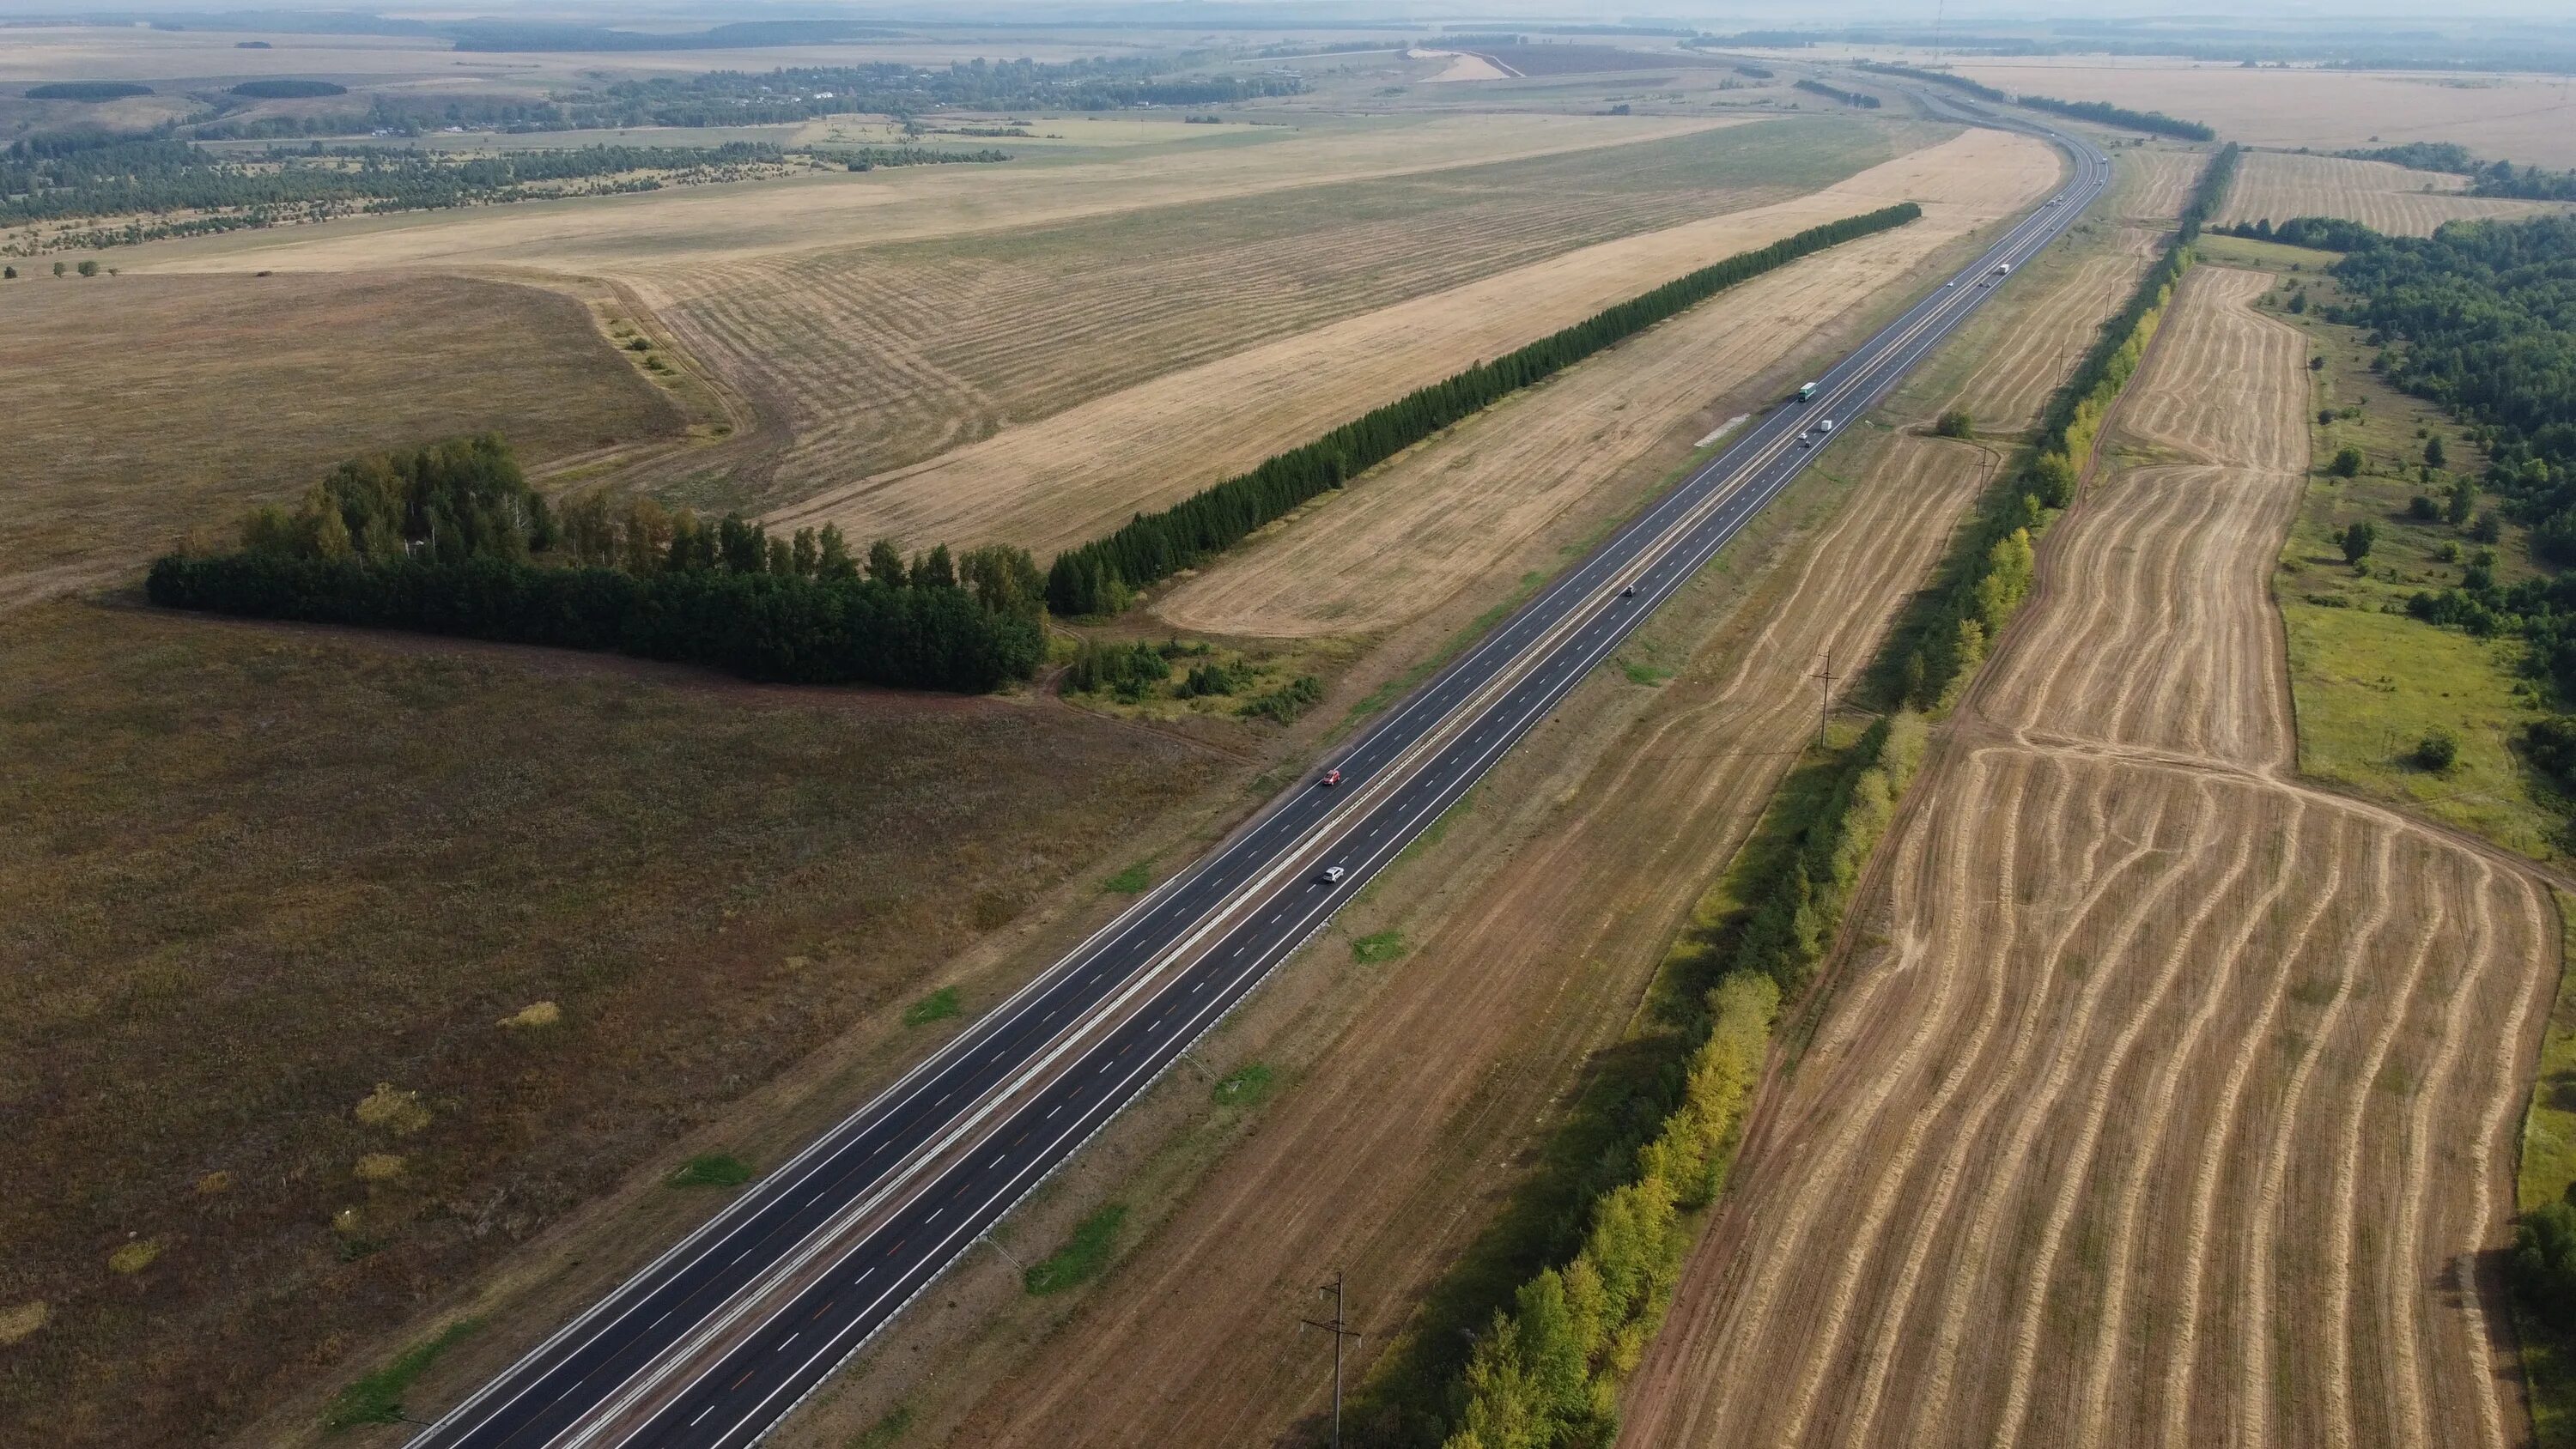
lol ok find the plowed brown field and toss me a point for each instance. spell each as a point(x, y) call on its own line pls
point(2171, 1101)
point(1083, 471)
point(2271, 186)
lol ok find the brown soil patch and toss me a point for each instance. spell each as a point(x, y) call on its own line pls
point(142, 406)
point(256, 872)
point(2274, 187)
point(1460, 67)
point(2167, 1100)
point(2523, 119)
point(1086, 470)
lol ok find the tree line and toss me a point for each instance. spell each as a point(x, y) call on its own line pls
point(1939, 78)
point(450, 539)
point(1547, 1369)
point(1101, 576)
point(1991, 571)
point(2486, 178)
point(1861, 99)
point(2105, 114)
point(799, 93)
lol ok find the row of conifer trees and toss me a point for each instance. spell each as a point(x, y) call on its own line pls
point(1099, 577)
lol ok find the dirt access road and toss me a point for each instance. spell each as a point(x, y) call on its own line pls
point(2168, 1100)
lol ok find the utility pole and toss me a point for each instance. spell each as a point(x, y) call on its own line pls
point(1824, 704)
point(1339, 1327)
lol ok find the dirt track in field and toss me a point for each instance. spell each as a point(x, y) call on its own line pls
point(1453, 1070)
point(2274, 187)
point(1083, 471)
point(2167, 1100)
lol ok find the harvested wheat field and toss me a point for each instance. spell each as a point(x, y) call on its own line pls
point(1451, 1071)
point(140, 407)
point(880, 355)
point(2271, 186)
point(2169, 1100)
point(2528, 120)
point(1085, 470)
point(676, 230)
point(1391, 548)
point(2019, 365)
point(2155, 184)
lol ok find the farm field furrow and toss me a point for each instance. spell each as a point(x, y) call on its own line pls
point(877, 356)
point(1085, 470)
point(2168, 1100)
point(2271, 186)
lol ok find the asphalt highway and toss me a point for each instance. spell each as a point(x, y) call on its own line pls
point(715, 1341)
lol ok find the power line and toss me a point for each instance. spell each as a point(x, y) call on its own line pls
point(1339, 1327)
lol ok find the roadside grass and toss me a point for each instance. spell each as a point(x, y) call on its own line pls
point(2262, 256)
point(712, 1169)
point(260, 871)
point(1248, 1085)
point(1131, 881)
point(377, 1398)
point(937, 1006)
point(1370, 950)
point(1082, 1258)
point(886, 1431)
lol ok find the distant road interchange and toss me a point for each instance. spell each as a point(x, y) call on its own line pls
point(714, 1342)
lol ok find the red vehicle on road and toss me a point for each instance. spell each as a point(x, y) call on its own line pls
point(1332, 777)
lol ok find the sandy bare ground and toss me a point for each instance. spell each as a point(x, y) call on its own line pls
point(2272, 186)
point(1461, 67)
point(2523, 119)
point(677, 231)
point(2169, 1100)
point(1403, 540)
point(1452, 1070)
point(1083, 471)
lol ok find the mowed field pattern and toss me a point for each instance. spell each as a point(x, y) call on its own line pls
point(2170, 1101)
point(877, 356)
point(2273, 186)
point(1087, 469)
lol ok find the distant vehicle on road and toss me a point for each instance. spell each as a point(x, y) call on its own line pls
point(2001, 268)
point(1332, 874)
point(1824, 427)
point(1806, 392)
point(1629, 592)
point(1332, 777)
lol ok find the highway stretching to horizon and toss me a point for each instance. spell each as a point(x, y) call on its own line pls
point(717, 1340)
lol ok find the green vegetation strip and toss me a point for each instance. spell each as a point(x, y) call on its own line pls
point(1547, 1369)
point(377, 1398)
point(2544, 1259)
point(1083, 1256)
point(1987, 577)
point(2103, 113)
point(1100, 577)
point(937, 1006)
point(712, 1169)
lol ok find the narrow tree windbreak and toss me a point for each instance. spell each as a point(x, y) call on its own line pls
point(1099, 577)
point(2103, 113)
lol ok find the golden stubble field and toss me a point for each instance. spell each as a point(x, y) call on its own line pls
point(2275, 186)
point(2528, 120)
point(1083, 471)
point(2165, 1099)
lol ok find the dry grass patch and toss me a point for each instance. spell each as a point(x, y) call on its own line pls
point(272, 888)
point(2272, 186)
point(1087, 469)
point(140, 407)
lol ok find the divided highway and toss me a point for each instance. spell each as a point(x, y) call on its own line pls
point(715, 1341)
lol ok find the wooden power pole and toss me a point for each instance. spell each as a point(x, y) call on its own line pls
point(1339, 1327)
point(1825, 703)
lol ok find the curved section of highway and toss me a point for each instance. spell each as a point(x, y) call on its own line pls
point(718, 1339)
